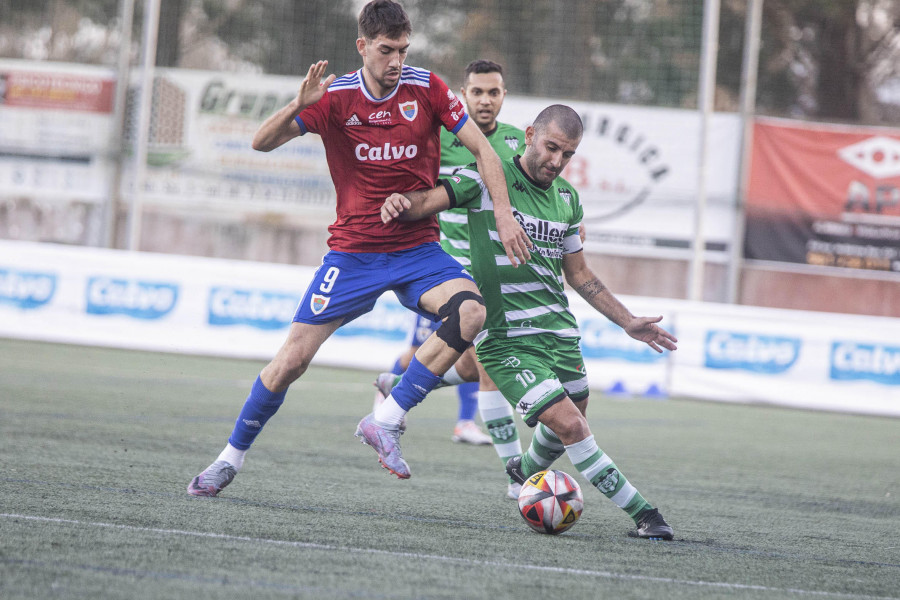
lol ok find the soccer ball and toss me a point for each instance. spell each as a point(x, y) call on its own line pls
point(550, 502)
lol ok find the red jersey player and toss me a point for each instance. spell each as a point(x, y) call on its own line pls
point(381, 130)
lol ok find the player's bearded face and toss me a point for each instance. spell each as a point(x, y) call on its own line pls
point(547, 153)
point(483, 95)
point(383, 60)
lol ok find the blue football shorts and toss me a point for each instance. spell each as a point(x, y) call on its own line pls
point(347, 284)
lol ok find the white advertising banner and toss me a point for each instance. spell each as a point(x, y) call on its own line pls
point(200, 146)
point(636, 170)
point(794, 358)
point(243, 309)
point(55, 127)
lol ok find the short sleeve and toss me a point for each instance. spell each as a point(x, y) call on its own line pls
point(315, 118)
point(448, 108)
point(572, 240)
point(467, 188)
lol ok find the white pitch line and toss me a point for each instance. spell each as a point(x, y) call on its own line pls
point(439, 557)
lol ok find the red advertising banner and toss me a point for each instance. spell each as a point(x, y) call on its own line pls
point(38, 89)
point(824, 195)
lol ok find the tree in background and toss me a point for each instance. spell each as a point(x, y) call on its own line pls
point(831, 59)
point(820, 59)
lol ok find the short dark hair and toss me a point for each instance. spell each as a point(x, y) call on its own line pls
point(383, 17)
point(481, 65)
point(565, 118)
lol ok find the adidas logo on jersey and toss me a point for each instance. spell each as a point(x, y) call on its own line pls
point(354, 120)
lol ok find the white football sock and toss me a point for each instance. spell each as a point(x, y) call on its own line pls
point(389, 413)
point(452, 377)
point(233, 456)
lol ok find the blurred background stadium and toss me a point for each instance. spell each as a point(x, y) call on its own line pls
point(819, 61)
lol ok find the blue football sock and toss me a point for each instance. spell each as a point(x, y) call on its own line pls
point(397, 369)
point(468, 400)
point(259, 406)
point(416, 383)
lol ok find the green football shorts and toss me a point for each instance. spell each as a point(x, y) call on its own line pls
point(534, 372)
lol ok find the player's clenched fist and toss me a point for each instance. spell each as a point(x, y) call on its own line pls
point(393, 207)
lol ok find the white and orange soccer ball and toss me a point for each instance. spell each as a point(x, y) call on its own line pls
point(550, 502)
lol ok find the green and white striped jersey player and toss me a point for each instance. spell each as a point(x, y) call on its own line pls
point(507, 141)
point(529, 346)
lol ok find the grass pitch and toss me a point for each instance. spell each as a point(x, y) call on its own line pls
point(98, 445)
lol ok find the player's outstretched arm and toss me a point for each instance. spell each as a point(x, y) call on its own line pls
point(415, 205)
point(515, 240)
point(589, 287)
point(281, 127)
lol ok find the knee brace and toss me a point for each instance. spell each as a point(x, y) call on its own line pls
point(449, 330)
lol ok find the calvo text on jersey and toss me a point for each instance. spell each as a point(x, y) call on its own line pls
point(385, 152)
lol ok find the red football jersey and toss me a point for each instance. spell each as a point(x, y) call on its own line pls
point(378, 146)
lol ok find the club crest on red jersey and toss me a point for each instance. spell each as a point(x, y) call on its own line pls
point(409, 110)
point(318, 303)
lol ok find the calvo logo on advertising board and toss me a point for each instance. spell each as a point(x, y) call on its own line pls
point(865, 361)
point(26, 289)
point(134, 298)
point(767, 354)
point(262, 309)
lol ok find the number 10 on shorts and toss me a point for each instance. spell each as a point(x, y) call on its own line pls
point(525, 376)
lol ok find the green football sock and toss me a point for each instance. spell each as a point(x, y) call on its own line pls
point(544, 450)
point(604, 475)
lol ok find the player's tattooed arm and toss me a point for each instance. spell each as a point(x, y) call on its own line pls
point(645, 329)
point(590, 288)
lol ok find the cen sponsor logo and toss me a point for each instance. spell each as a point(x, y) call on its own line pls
point(365, 152)
point(256, 308)
point(131, 297)
point(751, 352)
point(380, 117)
point(26, 289)
point(874, 362)
point(604, 340)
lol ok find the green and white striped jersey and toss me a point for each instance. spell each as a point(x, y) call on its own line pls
point(528, 299)
point(507, 141)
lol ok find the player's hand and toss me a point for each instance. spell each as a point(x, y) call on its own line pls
point(645, 329)
point(514, 239)
point(313, 88)
point(393, 207)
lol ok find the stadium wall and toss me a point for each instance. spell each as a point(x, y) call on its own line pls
point(207, 193)
point(219, 307)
